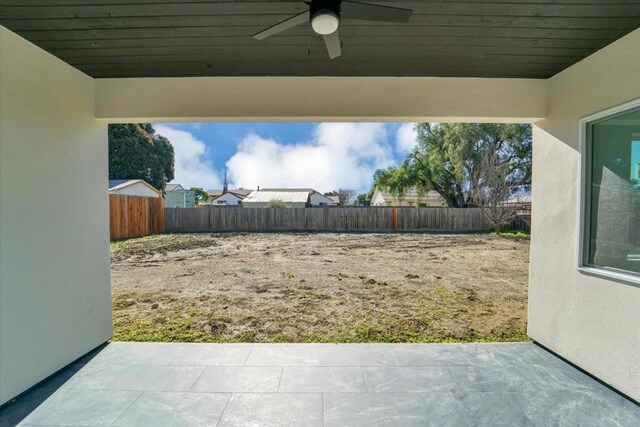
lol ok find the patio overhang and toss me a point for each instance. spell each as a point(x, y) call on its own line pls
point(55, 296)
point(372, 99)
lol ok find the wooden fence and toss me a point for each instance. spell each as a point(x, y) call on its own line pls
point(132, 216)
point(354, 219)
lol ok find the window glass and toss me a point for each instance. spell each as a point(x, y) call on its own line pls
point(612, 239)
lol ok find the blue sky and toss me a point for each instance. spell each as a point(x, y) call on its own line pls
point(324, 156)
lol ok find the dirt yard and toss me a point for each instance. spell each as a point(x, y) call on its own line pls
point(320, 288)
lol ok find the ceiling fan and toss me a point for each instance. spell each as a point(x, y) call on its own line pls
point(325, 17)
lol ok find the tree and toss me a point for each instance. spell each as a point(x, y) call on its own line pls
point(344, 195)
point(137, 152)
point(493, 188)
point(201, 195)
point(364, 199)
point(447, 157)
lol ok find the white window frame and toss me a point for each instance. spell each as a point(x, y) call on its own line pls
point(582, 266)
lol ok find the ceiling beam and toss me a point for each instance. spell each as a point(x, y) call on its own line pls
point(320, 99)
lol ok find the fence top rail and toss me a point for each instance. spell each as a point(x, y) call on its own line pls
point(325, 207)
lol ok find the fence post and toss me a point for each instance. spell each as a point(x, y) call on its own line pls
point(394, 219)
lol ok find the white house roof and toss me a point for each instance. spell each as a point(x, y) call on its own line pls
point(322, 196)
point(172, 187)
point(286, 196)
point(334, 198)
point(117, 184)
point(237, 191)
point(291, 190)
point(238, 196)
point(523, 198)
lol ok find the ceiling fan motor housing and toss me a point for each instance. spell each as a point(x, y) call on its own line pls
point(327, 11)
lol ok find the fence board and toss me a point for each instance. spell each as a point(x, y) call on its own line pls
point(363, 219)
point(133, 216)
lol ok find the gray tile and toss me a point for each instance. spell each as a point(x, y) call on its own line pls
point(321, 379)
point(552, 408)
point(409, 379)
point(509, 354)
point(497, 408)
point(490, 378)
point(277, 409)
point(174, 409)
point(559, 377)
point(357, 355)
point(95, 377)
point(213, 355)
point(156, 378)
point(137, 353)
point(506, 384)
point(82, 407)
point(239, 379)
point(581, 407)
point(284, 356)
point(394, 409)
point(430, 354)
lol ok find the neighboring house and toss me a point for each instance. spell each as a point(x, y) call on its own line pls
point(230, 198)
point(318, 199)
point(411, 198)
point(262, 198)
point(133, 187)
point(335, 199)
point(521, 203)
point(173, 187)
point(180, 199)
point(176, 196)
point(226, 197)
point(315, 198)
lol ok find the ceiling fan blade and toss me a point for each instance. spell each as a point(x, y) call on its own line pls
point(374, 12)
point(284, 25)
point(332, 41)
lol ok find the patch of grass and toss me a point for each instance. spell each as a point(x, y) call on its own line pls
point(509, 233)
point(413, 317)
point(468, 290)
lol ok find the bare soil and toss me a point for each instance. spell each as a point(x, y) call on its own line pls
point(320, 288)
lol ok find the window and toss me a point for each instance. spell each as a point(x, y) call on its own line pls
point(611, 221)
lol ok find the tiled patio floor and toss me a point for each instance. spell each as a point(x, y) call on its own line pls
point(153, 384)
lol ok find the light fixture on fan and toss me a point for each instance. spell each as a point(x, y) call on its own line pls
point(325, 22)
point(325, 17)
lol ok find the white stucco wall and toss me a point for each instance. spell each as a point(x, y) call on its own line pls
point(593, 322)
point(55, 294)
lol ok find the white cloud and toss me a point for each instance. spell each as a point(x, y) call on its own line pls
point(406, 137)
point(339, 155)
point(192, 167)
